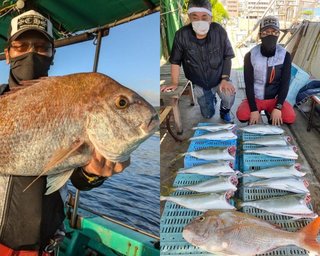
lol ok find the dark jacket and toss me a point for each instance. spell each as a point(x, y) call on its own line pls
point(202, 59)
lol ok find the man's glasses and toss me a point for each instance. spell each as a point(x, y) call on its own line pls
point(41, 48)
point(269, 33)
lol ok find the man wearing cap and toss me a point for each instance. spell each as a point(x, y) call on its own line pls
point(267, 70)
point(204, 50)
point(30, 219)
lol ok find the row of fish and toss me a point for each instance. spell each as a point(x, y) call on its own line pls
point(220, 230)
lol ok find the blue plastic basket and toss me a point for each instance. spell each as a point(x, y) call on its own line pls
point(286, 223)
point(256, 162)
point(176, 217)
point(190, 161)
point(245, 136)
point(209, 143)
point(255, 193)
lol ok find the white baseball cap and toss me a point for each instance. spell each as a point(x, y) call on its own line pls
point(30, 20)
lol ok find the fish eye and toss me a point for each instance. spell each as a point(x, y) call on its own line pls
point(201, 218)
point(122, 102)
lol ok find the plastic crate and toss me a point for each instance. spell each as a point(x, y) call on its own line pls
point(286, 223)
point(251, 161)
point(209, 143)
point(255, 193)
point(190, 161)
point(176, 217)
point(245, 136)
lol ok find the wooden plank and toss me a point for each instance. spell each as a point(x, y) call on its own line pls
point(165, 113)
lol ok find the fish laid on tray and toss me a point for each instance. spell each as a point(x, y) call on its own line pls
point(214, 154)
point(278, 172)
point(287, 152)
point(213, 185)
point(203, 201)
point(220, 168)
point(273, 140)
point(290, 205)
point(219, 135)
point(236, 233)
point(291, 184)
point(262, 129)
point(53, 125)
point(215, 127)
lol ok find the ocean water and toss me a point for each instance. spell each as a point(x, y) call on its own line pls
point(133, 195)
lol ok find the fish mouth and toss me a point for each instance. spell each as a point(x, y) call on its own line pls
point(152, 125)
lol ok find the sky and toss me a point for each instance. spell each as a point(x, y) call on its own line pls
point(130, 54)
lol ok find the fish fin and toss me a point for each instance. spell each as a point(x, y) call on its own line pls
point(58, 157)
point(56, 181)
point(309, 236)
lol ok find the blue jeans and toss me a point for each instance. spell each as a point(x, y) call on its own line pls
point(207, 100)
point(207, 103)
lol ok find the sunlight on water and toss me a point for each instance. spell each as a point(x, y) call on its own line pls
point(132, 196)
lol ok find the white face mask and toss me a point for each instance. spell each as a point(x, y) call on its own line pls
point(201, 27)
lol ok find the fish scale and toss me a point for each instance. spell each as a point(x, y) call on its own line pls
point(236, 233)
point(57, 122)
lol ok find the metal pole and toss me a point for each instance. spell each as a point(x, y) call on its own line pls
point(75, 210)
point(98, 46)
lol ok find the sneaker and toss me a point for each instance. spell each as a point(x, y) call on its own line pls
point(226, 116)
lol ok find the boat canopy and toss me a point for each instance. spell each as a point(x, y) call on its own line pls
point(71, 17)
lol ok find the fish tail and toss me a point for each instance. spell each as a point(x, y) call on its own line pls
point(309, 236)
point(241, 174)
point(163, 198)
point(167, 190)
point(238, 203)
point(177, 158)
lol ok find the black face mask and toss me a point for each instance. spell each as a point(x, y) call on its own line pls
point(268, 46)
point(28, 66)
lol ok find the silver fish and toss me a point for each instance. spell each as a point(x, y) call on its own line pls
point(52, 126)
point(220, 168)
point(278, 172)
point(239, 234)
point(214, 153)
point(203, 202)
point(290, 205)
point(213, 185)
point(273, 140)
point(292, 184)
point(215, 127)
point(219, 135)
point(262, 129)
point(287, 152)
